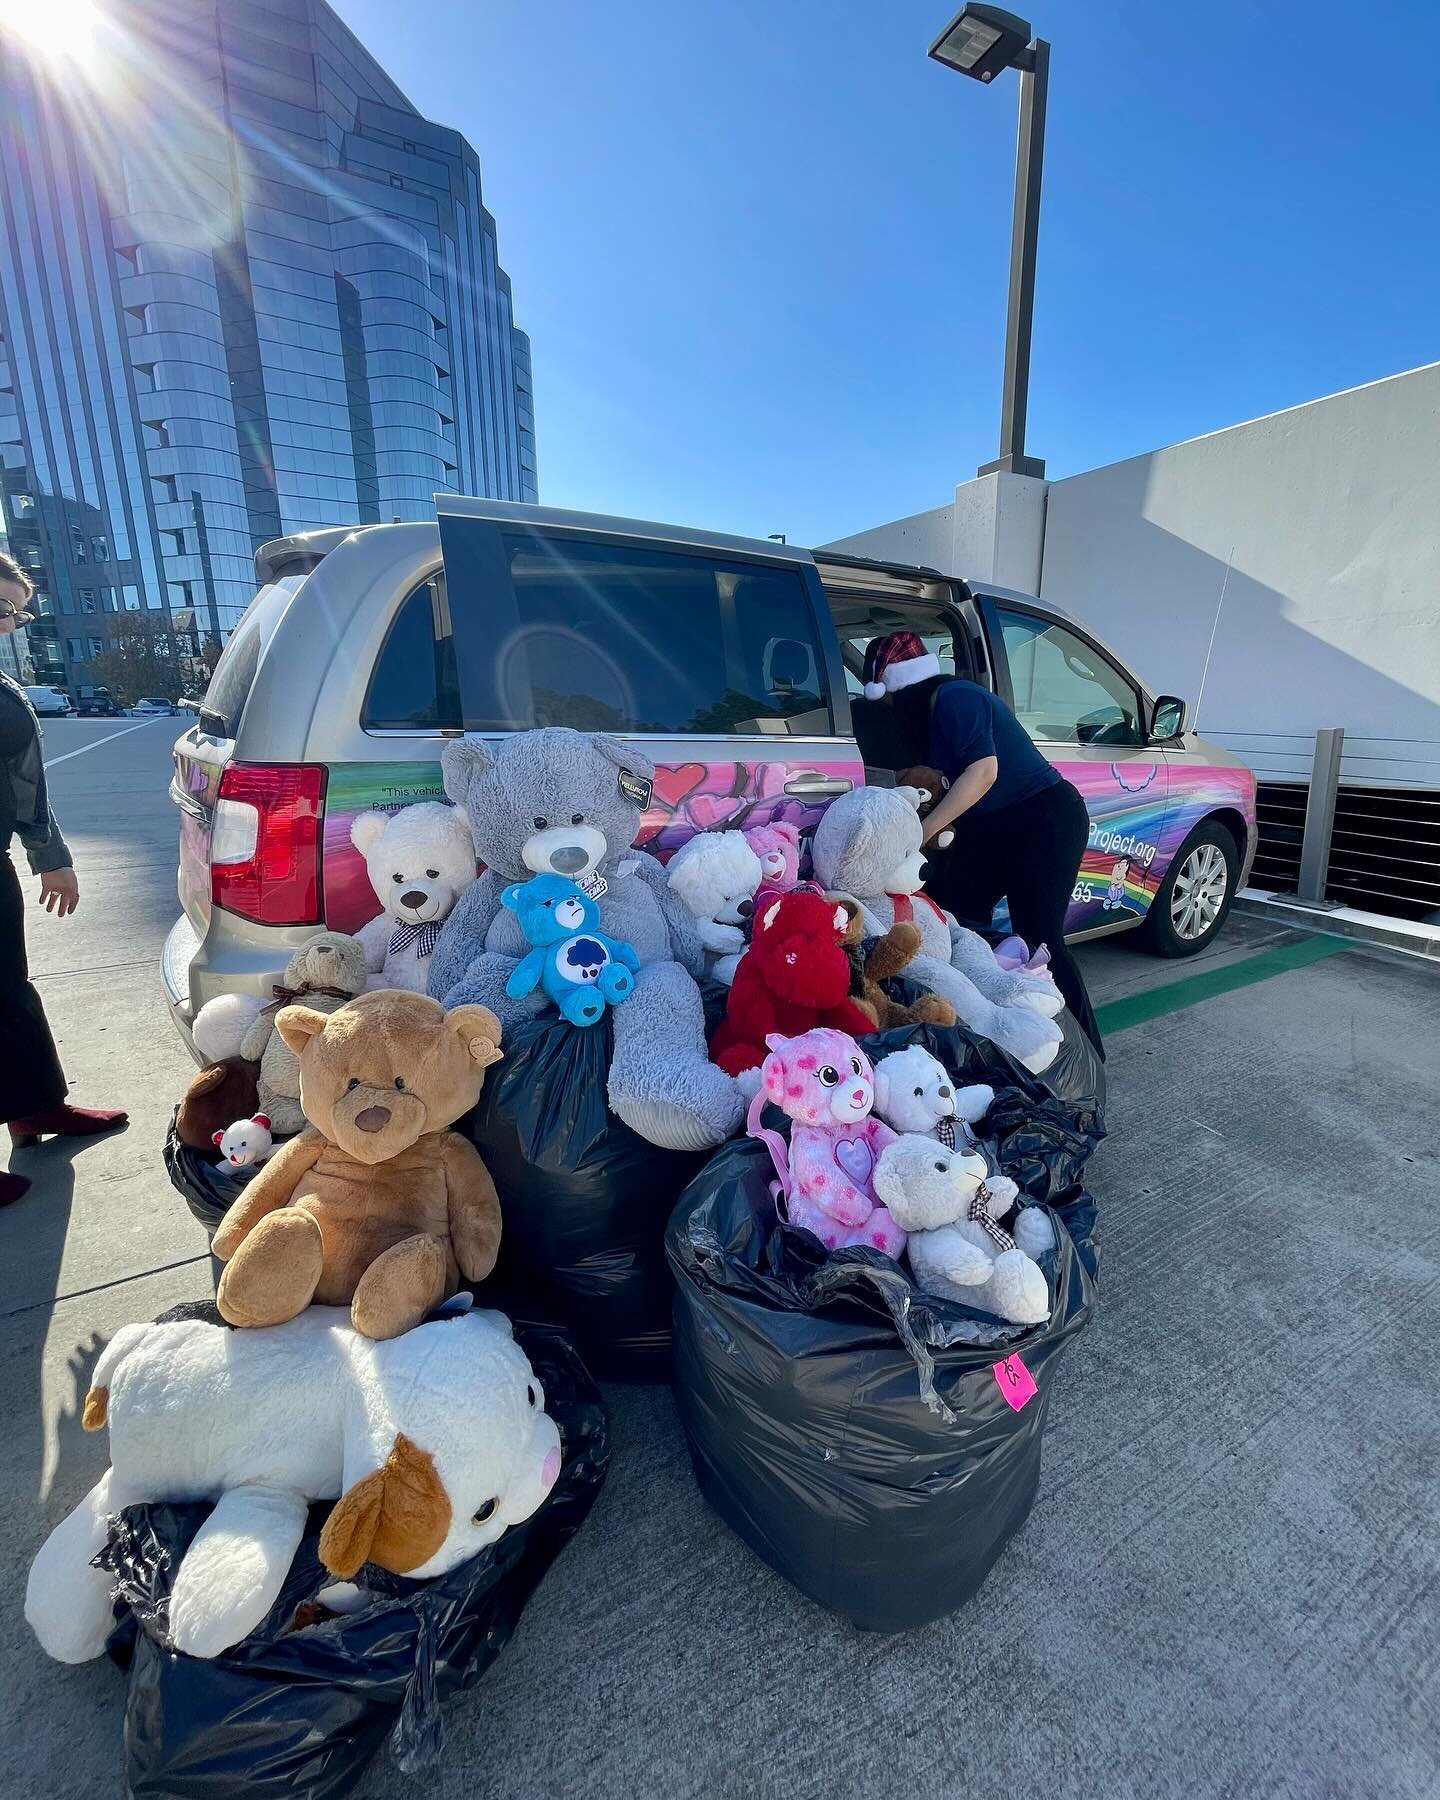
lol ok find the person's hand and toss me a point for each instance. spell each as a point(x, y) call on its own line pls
point(59, 892)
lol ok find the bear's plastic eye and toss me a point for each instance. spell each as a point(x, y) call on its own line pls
point(352, 1084)
point(541, 824)
point(400, 1083)
point(432, 874)
point(829, 1077)
point(919, 1092)
point(530, 1395)
point(940, 1168)
point(577, 818)
point(482, 1513)
point(397, 878)
point(549, 902)
point(855, 1064)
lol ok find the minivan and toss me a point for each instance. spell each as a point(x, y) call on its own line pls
point(734, 665)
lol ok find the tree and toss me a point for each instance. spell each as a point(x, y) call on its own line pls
point(140, 660)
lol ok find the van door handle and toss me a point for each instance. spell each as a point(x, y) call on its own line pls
point(817, 787)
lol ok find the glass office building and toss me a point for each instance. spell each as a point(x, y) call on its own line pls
point(245, 290)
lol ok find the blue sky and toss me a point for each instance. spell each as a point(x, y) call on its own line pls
point(762, 248)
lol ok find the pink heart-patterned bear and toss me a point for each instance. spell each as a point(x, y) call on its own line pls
point(824, 1081)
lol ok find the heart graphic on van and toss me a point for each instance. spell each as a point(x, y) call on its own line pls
point(709, 810)
point(674, 782)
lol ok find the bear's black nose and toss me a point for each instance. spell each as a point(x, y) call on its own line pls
point(568, 859)
point(745, 908)
point(415, 897)
point(943, 1092)
point(374, 1118)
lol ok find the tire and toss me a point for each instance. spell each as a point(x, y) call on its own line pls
point(1194, 898)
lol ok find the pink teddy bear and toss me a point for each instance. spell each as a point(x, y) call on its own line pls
point(824, 1081)
point(778, 847)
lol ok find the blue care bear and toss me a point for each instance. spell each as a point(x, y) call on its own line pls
point(577, 965)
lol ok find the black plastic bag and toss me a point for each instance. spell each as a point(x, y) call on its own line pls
point(853, 1431)
point(583, 1198)
point(300, 1713)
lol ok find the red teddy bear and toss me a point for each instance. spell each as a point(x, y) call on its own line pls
point(794, 976)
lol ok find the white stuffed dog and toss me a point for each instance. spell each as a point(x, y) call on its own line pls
point(434, 1442)
point(914, 1094)
point(715, 875)
point(420, 860)
point(950, 1205)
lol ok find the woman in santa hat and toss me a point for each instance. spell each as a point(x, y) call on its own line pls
point(1020, 827)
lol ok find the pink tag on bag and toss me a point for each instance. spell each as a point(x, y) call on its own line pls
point(1015, 1381)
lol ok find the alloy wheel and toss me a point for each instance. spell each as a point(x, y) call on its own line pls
point(1199, 892)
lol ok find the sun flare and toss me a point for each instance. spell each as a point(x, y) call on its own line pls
point(56, 31)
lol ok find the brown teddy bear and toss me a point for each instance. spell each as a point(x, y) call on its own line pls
point(376, 1206)
point(217, 1096)
point(887, 957)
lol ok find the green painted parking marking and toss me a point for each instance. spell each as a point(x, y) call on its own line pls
point(1173, 996)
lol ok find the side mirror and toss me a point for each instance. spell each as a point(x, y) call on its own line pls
point(1168, 719)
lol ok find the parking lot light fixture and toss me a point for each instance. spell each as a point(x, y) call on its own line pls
point(981, 42)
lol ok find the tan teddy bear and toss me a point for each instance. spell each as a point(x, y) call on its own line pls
point(376, 1206)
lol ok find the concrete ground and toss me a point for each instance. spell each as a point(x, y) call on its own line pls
point(1228, 1586)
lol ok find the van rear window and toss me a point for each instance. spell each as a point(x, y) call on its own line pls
point(611, 635)
point(234, 674)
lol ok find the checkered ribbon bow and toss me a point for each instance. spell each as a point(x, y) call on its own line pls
point(423, 937)
point(979, 1211)
point(945, 1131)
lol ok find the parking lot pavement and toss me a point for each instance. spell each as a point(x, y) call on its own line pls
point(1228, 1586)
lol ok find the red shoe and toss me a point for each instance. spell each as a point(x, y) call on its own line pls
point(11, 1188)
point(66, 1121)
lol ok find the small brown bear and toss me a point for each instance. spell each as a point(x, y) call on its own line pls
point(886, 958)
point(217, 1096)
point(376, 1205)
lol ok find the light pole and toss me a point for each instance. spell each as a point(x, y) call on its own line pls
point(981, 41)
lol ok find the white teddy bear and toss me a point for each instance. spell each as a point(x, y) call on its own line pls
point(950, 1205)
point(246, 1144)
point(715, 875)
point(420, 860)
point(914, 1094)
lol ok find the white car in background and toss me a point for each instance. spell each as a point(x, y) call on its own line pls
point(49, 702)
point(157, 708)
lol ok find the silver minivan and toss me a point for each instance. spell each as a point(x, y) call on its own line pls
point(736, 664)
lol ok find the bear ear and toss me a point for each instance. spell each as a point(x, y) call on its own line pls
point(297, 1025)
point(479, 1030)
point(365, 830)
point(770, 916)
point(262, 1120)
point(510, 896)
point(217, 1137)
point(461, 761)
point(775, 1040)
point(623, 756)
point(791, 833)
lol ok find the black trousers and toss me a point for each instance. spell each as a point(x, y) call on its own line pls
point(31, 1079)
point(1029, 853)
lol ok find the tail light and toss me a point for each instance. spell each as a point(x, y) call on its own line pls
point(265, 842)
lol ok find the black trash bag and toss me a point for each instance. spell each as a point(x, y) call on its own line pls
point(208, 1188)
point(855, 1432)
point(300, 1712)
point(583, 1198)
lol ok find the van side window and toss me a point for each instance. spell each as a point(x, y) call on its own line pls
point(1065, 691)
point(413, 687)
point(617, 636)
point(889, 739)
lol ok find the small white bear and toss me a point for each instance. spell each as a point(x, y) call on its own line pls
point(246, 1144)
point(950, 1205)
point(715, 874)
point(420, 860)
point(915, 1095)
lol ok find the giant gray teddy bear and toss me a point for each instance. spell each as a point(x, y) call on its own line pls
point(559, 801)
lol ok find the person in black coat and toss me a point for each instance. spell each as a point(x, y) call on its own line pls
point(32, 1083)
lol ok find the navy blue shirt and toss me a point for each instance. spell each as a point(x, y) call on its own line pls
point(967, 723)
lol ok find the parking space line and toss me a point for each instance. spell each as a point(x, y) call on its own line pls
point(95, 743)
point(1173, 996)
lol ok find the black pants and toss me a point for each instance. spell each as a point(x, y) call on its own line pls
point(31, 1080)
point(1029, 853)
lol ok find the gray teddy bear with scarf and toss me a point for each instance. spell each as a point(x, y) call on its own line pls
point(557, 801)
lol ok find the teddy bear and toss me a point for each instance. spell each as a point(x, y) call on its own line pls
point(419, 860)
point(716, 874)
point(578, 966)
point(245, 1145)
point(795, 975)
point(432, 1445)
point(216, 1095)
point(563, 802)
point(915, 1094)
point(950, 1206)
point(874, 961)
point(326, 971)
point(868, 844)
point(823, 1082)
point(377, 1206)
point(778, 847)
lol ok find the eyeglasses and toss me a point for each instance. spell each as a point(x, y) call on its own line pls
point(18, 613)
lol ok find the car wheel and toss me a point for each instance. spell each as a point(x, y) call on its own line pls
point(1195, 895)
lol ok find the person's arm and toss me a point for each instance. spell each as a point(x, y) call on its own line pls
point(965, 790)
point(49, 857)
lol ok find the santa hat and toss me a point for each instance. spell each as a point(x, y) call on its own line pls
point(895, 662)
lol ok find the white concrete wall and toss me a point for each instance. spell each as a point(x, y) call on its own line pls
point(1320, 526)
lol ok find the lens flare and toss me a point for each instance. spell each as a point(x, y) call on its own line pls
point(56, 31)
